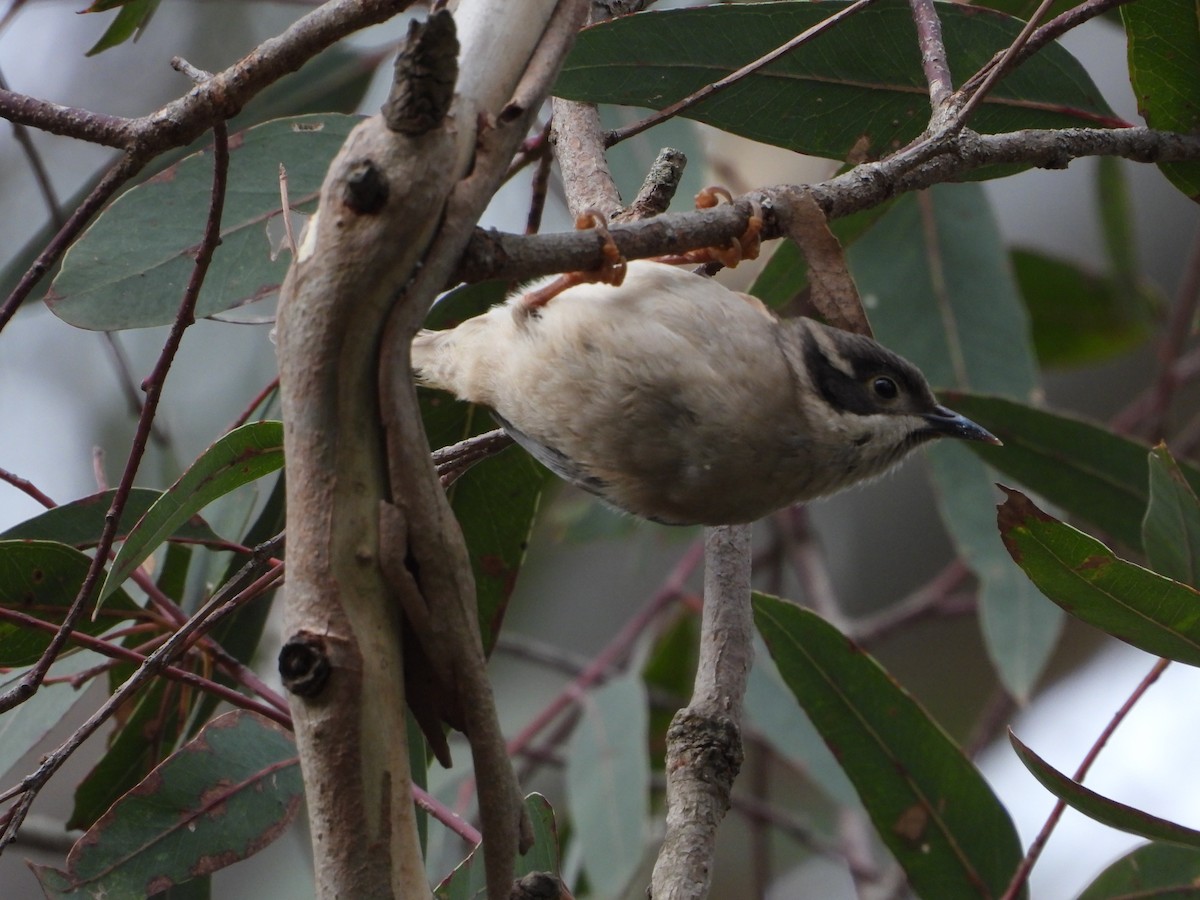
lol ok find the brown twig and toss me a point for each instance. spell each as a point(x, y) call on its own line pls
point(27, 487)
point(28, 685)
point(259, 398)
point(976, 91)
point(933, 56)
point(138, 656)
point(1017, 885)
point(621, 134)
point(1052, 30)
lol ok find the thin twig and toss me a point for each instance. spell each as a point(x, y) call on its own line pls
point(129, 387)
point(997, 69)
point(138, 656)
point(1017, 885)
point(933, 57)
point(122, 171)
point(28, 685)
point(1052, 30)
point(259, 398)
point(621, 134)
point(40, 173)
point(27, 487)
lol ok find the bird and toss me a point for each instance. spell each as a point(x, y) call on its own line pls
point(680, 401)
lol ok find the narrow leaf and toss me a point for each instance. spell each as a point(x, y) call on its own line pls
point(608, 780)
point(129, 269)
point(42, 579)
point(1171, 529)
point(828, 96)
point(1103, 810)
point(243, 455)
point(80, 522)
point(929, 804)
point(1086, 579)
point(221, 798)
point(1164, 68)
point(1151, 872)
point(1080, 467)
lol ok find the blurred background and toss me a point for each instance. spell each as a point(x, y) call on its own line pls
point(63, 415)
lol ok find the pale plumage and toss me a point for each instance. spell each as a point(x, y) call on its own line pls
point(681, 401)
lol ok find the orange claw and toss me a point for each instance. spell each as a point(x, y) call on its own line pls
point(611, 270)
point(739, 248)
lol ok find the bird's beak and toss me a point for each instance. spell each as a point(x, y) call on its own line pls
point(948, 423)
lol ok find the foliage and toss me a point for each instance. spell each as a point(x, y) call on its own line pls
point(185, 787)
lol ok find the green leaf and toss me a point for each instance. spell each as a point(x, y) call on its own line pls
point(608, 781)
point(1090, 582)
point(130, 268)
point(1150, 871)
point(42, 579)
point(130, 21)
point(1094, 806)
point(1077, 466)
point(1164, 69)
point(1077, 317)
point(1171, 529)
point(221, 798)
point(935, 275)
point(245, 454)
point(828, 96)
point(468, 881)
point(23, 727)
point(80, 522)
point(929, 804)
point(496, 501)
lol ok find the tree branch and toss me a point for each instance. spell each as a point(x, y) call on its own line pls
point(492, 254)
point(704, 743)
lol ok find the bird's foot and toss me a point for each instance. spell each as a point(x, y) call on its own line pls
point(746, 246)
point(610, 271)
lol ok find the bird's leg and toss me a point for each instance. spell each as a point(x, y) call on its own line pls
point(739, 248)
point(611, 269)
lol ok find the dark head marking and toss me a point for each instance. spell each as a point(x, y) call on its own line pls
point(866, 378)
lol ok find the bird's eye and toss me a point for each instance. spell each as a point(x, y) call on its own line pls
point(885, 388)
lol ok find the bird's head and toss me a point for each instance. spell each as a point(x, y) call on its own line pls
point(871, 403)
